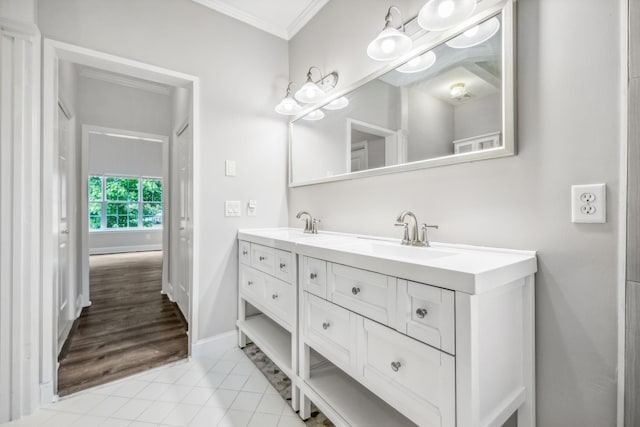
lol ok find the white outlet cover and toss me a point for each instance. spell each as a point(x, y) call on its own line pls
point(252, 206)
point(591, 212)
point(232, 208)
point(230, 168)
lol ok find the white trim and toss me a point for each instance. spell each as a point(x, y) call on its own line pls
point(213, 345)
point(124, 249)
point(91, 73)
point(53, 51)
point(285, 33)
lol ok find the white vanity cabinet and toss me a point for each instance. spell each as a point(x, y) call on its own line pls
point(394, 336)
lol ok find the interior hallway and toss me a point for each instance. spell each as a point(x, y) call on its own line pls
point(129, 328)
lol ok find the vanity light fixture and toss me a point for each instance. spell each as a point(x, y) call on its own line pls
point(312, 91)
point(390, 43)
point(288, 106)
point(476, 35)
point(314, 115)
point(337, 104)
point(419, 63)
point(437, 15)
point(458, 91)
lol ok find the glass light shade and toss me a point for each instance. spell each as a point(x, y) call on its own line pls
point(389, 44)
point(309, 93)
point(419, 63)
point(458, 90)
point(437, 15)
point(288, 106)
point(476, 35)
point(314, 115)
point(337, 104)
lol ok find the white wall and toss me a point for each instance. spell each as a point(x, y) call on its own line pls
point(431, 124)
point(478, 117)
point(568, 133)
point(243, 74)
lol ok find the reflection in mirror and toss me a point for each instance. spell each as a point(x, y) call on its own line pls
point(446, 102)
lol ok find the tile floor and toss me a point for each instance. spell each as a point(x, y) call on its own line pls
point(224, 389)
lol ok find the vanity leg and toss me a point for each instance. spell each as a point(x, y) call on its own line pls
point(242, 338)
point(305, 371)
point(527, 411)
point(295, 390)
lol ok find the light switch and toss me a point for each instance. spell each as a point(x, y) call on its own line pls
point(251, 208)
point(230, 167)
point(232, 208)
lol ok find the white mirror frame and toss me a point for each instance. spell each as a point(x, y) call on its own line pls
point(430, 41)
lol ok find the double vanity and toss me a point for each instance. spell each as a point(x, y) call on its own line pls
point(377, 333)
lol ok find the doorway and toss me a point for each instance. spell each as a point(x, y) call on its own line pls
point(56, 206)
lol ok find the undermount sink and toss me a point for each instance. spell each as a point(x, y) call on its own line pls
point(395, 250)
point(290, 234)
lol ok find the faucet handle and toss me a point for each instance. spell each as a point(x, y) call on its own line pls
point(425, 239)
point(405, 239)
point(314, 226)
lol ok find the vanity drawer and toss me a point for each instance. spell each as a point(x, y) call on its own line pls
point(371, 294)
point(415, 378)
point(427, 313)
point(252, 284)
point(244, 252)
point(263, 258)
point(331, 330)
point(280, 299)
point(284, 266)
point(314, 276)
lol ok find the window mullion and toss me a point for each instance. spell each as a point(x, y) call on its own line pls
point(140, 225)
point(103, 203)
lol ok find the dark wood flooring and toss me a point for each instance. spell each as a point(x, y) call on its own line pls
point(129, 328)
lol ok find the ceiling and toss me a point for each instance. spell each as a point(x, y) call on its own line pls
point(282, 18)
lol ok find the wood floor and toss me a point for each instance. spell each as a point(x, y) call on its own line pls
point(129, 328)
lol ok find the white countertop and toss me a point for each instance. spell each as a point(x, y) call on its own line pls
point(464, 268)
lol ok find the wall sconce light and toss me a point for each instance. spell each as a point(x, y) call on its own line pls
point(314, 115)
point(458, 91)
point(312, 91)
point(437, 15)
point(419, 63)
point(476, 35)
point(390, 43)
point(288, 106)
point(337, 104)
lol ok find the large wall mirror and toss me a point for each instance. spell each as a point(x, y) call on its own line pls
point(451, 101)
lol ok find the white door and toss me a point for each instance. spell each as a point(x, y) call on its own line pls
point(65, 315)
point(184, 255)
point(359, 156)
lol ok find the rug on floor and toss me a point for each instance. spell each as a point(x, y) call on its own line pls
point(282, 383)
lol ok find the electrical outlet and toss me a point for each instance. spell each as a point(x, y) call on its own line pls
point(588, 203)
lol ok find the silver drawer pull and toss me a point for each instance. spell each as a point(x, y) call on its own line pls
point(313, 276)
point(326, 325)
point(355, 290)
point(395, 366)
point(245, 252)
point(261, 258)
point(282, 265)
point(249, 283)
point(421, 312)
point(274, 296)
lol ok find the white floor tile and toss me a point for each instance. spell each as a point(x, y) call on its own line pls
point(222, 398)
point(191, 377)
point(88, 421)
point(132, 409)
point(153, 391)
point(208, 417)
point(234, 382)
point(62, 419)
point(244, 368)
point(169, 376)
point(211, 380)
point(246, 401)
point(271, 404)
point(287, 421)
point(264, 420)
point(256, 384)
point(224, 366)
point(235, 418)
point(156, 412)
point(198, 396)
point(271, 390)
point(175, 393)
point(142, 424)
point(115, 422)
point(234, 354)
point(181, 415)
point(80, 404)
point(108, 406)
point(130, 388)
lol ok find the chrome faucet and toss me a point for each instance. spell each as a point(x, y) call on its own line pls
point(411, 239)
point(310, 223)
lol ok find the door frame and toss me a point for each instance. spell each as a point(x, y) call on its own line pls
point(53, 52)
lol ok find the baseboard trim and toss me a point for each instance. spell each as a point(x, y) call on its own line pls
point(46, 393)
point(213, 346)
point(122, 249)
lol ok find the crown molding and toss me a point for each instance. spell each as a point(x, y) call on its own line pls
point(104, 76)
point(285, 33)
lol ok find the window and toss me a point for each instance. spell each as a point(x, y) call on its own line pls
point(116, 202)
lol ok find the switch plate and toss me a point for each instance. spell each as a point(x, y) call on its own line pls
point(232, 208)
point(230, 167)
point(589, 203)
point(251, 208)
